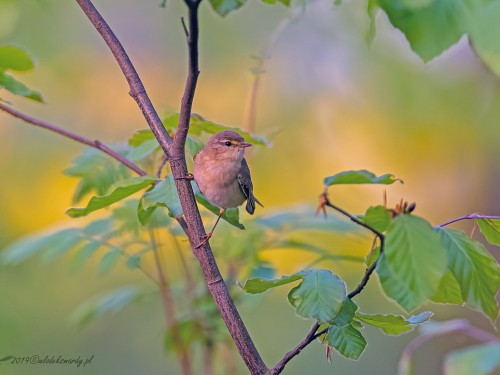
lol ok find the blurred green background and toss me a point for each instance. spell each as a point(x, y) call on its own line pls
point(330, 102)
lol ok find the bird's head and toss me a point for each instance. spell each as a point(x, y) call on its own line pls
point(227, 145)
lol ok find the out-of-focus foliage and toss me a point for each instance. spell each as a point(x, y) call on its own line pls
point(15, 59)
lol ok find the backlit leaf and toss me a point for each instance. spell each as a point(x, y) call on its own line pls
point(448, 291)
point(14, 58)
point(119, 191)
point(476, 271)
point(393, 324)
point(491, 230)
point(413, 262)
point(377, 217)
point(11, 84)
point(260, 285)
point(359, 177)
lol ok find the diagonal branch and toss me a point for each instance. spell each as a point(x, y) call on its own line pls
point(175, 151)
point(310, 337)
point(68, 134)
point(137, 90)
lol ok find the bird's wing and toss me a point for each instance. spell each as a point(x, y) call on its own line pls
point(246, 186)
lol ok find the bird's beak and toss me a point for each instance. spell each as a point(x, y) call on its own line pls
point(245, 144)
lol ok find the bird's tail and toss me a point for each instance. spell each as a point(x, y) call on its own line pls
point(251, 204)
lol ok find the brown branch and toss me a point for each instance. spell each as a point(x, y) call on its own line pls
point(168, 304)
point(280, 365)
point(326, 202)
point(175, 150)
point(68, 134)
point(468, 217)
point(196, 231)
point(137, 90)
point(313, 334)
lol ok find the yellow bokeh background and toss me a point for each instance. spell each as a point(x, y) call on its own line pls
point(328, 101)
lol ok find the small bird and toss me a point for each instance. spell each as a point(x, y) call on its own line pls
point(222, 174)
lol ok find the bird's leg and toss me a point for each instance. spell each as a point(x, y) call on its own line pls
point(209, 234)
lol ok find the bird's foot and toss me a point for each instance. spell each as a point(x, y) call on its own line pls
point(188, 177)
point(206, 237)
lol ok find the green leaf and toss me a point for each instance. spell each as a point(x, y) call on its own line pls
point(112, 302)
point(134, 261)
point(143, 150)
point(378, 217)
point(163, 194)
point(98, 227)
point(260, 285)
point(430, 26)
point(232, 215)
point(372, 257)
point(477, 272)
point(97, 172)
point(483, 34)
point(141, 136)
point(394, 324)
point(70, 240)
point(491, 230)
point(193, 145)
point(85, 253)
point(29, 246)
point(320, 295)
point(448, 291)
point(272, 2)
point(15, 58)
point(120, 190)
point(413, 262)
point(478, 360)
point(346, 313)
point(199, 125)
point(108, 261)
point(359, 177)
point(223, 7)
point(347, 340)
point(9, 83)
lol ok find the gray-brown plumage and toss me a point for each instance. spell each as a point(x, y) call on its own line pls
point(222, 174)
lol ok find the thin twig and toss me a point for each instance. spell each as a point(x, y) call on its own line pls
point(280, 365)
point(164, 161)
point(313, 334)
point(68, 134)
point(326, 202)
point(168, 304)
point(468, 217)
point(186, 32)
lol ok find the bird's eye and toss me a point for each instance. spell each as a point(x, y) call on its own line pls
point(227, 143)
